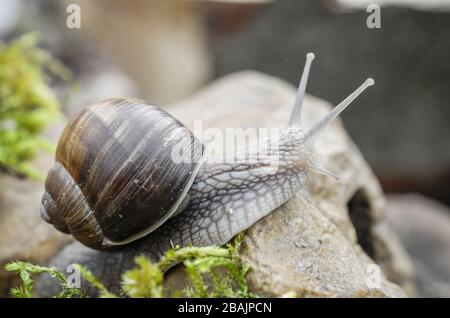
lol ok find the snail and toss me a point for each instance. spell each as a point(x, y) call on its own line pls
point(115, 179)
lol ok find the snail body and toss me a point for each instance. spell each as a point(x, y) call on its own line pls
point(115, 180)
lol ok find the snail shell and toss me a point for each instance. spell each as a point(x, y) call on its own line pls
point(114, 180)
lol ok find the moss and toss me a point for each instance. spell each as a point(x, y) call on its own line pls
point(26, 270)
point(27, 103)
point(213, 272)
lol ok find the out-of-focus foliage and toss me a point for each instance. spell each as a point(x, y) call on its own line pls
point(213, 272)
point(27, 103)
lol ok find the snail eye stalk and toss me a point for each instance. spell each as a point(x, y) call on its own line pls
point(311, 134)
point(294, 120)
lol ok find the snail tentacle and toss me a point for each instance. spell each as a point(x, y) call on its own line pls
point(311, 135)
point(294, 119)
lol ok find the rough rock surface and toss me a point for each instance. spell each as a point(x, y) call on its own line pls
point(317, 244)
point(423, 226)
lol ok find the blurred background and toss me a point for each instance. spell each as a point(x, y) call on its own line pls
point(163, 51)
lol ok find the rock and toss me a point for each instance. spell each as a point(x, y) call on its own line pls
point(320, 243)
point(318, 260)
point(9, 15)
point(149, 47)
point(433, 5)
point(423, 226)
point(23, 235)
point(98, 85)
point(144, 45)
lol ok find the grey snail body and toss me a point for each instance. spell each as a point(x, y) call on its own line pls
point(106, 197)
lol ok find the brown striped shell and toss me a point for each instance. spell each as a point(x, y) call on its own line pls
point(116, 178)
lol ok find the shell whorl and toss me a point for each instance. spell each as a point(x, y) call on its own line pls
point(115, 179)
point(65, 206)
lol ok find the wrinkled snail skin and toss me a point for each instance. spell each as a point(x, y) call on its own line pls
point(114, 180)
point(226, 199)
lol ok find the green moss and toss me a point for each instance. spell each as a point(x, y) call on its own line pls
point(26, 270)
point(27, 103)
point(212, 271)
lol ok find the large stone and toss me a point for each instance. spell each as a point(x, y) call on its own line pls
point(149, 47)
point(423, 226)
point(321, 242)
